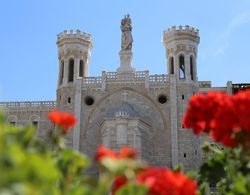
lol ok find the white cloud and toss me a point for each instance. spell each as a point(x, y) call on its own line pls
point(236, 22)
point(220, 50)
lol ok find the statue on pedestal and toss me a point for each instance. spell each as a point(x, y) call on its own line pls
point(126, 29)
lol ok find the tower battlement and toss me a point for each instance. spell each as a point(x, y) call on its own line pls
point(178, 31)
point(74, 34)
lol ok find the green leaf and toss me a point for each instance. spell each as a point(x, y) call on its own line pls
point(132, 189)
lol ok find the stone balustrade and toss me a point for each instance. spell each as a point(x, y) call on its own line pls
point(138, 75)
point(92, 80)
point(111, 75)
point(156, 79)
point(28, 104)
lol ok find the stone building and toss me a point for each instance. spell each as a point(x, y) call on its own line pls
point(125, 107)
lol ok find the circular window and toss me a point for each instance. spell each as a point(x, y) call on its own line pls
point(162, 99)
point(89, 100)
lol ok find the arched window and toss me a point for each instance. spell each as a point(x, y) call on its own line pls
point(181, 67)
point(81, 74)
point(34, 120)
point(61, 72)
point(12, 119)
point(191, 68)
point(71, 71)
point(171, 63)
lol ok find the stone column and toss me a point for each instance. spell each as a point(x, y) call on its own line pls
point(187, 68)
point(76, 68)
point(77, 111)
point(147, 79)
point(103, 80)
point(173, 120)
point(65, 73)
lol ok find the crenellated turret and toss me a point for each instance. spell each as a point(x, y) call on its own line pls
point(74, 48)
point(181, 51)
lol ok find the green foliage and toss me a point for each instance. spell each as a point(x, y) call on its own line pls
point(28, 166)
point(132, 189)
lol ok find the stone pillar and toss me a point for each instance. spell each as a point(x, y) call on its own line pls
point(229, 87)
point(147, 79)
point(103, 80)
point(125, 62)
point(187, 68)
point(65, 73)
point(173, 120)
point(77, 111)
point(76, 68)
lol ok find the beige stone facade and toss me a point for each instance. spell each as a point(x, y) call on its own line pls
point(126, 107)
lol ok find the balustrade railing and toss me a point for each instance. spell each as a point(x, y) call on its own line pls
point(92, 80)
point(158, 78)
point(111, 75)
point(26, 104)
point(140, 74)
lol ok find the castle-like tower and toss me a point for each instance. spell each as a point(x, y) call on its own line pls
point(125, 107)
point(130, 107)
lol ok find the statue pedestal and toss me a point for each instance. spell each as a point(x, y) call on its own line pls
point(125, 62)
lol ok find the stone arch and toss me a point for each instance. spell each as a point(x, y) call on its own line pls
point(181, 65)
point(12, 119)
point(34, 120)
point(151, 114)
point(71, 64)
point(81, 68)
point(97, 104)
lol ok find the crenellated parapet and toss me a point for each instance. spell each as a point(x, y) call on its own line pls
point(181, 44)
point(74, 43)
point(77, 34)
point(181, 32)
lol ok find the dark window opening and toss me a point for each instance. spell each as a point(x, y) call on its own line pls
point(185, 155)
point(182, 97)
point(69, 100)
point(13, 123)
point(81, 69)
point(89, 100)
point(181, 67)
point(62, 72)
point(191, 68)
point(195, 152)
point(162, 99)
point(35, 124)
point(71, 70)
point(171, 62)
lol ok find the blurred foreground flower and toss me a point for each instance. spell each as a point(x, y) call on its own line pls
point(125, 152)
point(62, 119)
point(226, 118)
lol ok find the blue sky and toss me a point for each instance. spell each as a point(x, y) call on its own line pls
point(28, 29)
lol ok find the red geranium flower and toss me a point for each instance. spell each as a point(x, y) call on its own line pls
point(226, 118)
point(163, 181)
point(125, 152)
point(118, 183)
point(62, 119)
